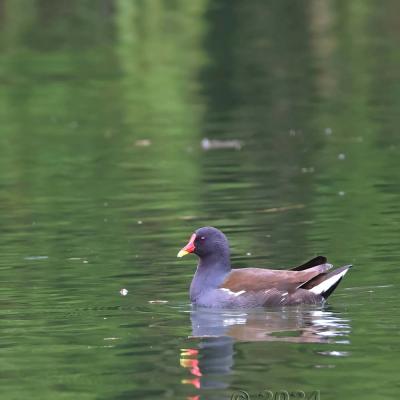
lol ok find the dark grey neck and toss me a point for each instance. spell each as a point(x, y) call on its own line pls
point(210, 273)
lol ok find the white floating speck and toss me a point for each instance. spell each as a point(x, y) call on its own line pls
point(36, 258)
point(248, 254)
point(210, 144)
point(324, 366)
point(328, 131)
point(334, 353)
point(123, 292)
point(140, 222)
point(158, 301)
point(143, 143)
point(341, 156)
point(341, 193)
point(85, 261)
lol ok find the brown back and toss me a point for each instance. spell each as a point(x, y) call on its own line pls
point(256, 279)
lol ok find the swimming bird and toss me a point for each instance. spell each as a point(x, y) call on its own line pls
point(216, 285)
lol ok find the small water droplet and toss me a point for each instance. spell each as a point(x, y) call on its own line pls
point(73, 124)
point(123, 292)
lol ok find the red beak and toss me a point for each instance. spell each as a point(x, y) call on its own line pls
point(189, 248)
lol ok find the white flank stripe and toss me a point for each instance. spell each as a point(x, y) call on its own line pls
point(325, 285)
point(233, 293)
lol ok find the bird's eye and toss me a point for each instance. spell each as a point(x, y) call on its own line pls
point(202, 238)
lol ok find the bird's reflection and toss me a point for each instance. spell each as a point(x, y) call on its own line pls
point(214, 333)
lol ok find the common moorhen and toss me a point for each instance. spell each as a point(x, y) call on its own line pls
point(215, 284)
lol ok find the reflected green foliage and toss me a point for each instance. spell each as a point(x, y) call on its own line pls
point(103, 107)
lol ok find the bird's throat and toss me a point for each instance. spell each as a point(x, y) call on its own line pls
point(210, 273)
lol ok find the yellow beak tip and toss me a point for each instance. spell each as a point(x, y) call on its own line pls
point(182, 253)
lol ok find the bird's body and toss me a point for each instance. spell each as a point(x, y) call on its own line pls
point(215, 284)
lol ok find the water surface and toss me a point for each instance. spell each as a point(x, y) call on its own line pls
point(127, 125)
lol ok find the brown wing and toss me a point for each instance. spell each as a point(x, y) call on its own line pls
point(256, 279)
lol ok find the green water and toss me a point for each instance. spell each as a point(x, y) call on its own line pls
point(104, 107)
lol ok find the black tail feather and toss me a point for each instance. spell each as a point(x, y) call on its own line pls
point(311, 263)
point(316, 284)
point(326, 294)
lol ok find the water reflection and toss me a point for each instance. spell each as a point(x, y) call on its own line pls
point(211, 360)
point(290, 325)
